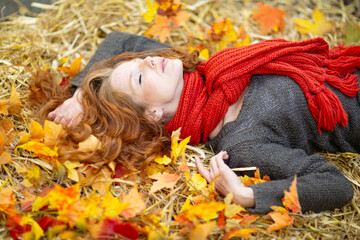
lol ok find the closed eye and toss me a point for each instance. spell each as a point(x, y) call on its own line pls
point(140, 79)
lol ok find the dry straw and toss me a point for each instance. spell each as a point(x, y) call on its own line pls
point(70, 28)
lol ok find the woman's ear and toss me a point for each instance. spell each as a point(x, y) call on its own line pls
point(154, 114)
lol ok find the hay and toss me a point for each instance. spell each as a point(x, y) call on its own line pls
point(71, 28)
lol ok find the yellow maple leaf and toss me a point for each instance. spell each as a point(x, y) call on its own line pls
point(53, 133)
point(164, 180)
point(90, 144)
point(73, 69)
point(165, 160)
point(99, 180)
point(151, 12)
point(319, 27)
point(112, 205)
point(71, 166)
point(196, 182)
point(177, 149)
point(36, 230)
point(202, 231)
point(231, 209)
point(222, 33)
point(36, 131)
point(244, 232)
point(40, 150)
point(205, 210)
point(136, 203)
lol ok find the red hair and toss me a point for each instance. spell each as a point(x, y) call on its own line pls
point(125, 133)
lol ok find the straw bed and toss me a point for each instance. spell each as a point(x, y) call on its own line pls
point(70, 28)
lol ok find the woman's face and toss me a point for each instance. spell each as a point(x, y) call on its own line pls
point(154, 82)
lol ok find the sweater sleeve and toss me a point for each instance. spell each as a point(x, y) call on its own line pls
point(320, 185)
point(114, 44)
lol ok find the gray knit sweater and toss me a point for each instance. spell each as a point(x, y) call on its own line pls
point(275, 132)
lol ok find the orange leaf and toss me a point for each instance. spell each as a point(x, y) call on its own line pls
point(5, 158)
point(136, 201)
point(269, 18)
point(7, 200)
point(40, 150)
point(291, 199)
point(281, 218)
point(90, 144)
point(244, 232)
point(36, 131)
point(160, 28)
point(201, 231)
point(180, 18)
point(11, 105)
point(74, 68)
point(7, 132)
point(183, 166)
point(164, 180)
point(99, 180)
point(205, 210)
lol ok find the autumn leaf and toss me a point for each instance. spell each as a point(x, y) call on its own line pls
point(160, 28)
point(112, 205)
point(196, 182)
point(53, 133)
point(205, 210)
point(244, 232)
point(36, 230)
point(246, 180)
point(203, 51)
point(177, 149)
point(151, 12)
point(165, 160)
point(281, 219)
point(7, 200)
point(30, 174)
point(40, 150)
point(222, 33)
point(73, 69)
point(183, 167)
point(201, 231)
point(243, 37)
point(352, 33)
point(99, 180)
point(136, 203)
point(114, 227)
point(269, 18)
point(36, 131)
point(71, 169)
point(11, 105)
point(291, 199)
point(319, 27)
point(231, 209)
point(164, 180)
point(90, 144)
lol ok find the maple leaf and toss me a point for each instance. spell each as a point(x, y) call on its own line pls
point(246, 180)
point(222, 32)
point(53, 133)
point(291, 199)
point(319, 27)
point(30, 174)
point(11, 105)
point(90, 144)
point(112, 205)
point(165, 160)
point(36, 230)
point(164, 180)
point(99, 180)
point(231, 208)
point(180, 18)
point(203, 51)
point(196, 182)
point(244, 232)
point(36, 131)
point(183, 167)
point(243, 37)
point(352, 33)
point(71, 166)
point(112, 227)
point(201, 231)
point(177, 149)
point(281, 218)
point(73, 69)
point(205, 210)
point(7, 200)
point(152, 9)
point(269, 18)
point(40, 150)
point(160, 28)
point(136, 203)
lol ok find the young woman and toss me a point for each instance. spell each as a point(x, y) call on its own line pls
point(272, 105)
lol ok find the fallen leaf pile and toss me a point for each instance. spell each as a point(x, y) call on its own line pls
point(43, 196)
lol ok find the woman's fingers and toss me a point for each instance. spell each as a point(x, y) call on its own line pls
point(201, 169)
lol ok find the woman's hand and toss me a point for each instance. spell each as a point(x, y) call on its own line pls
point(69, 113)
point(226, 180)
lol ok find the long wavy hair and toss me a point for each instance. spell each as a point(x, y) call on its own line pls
point(127, 136)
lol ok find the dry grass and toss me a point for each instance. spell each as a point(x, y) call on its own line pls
point(70, 28)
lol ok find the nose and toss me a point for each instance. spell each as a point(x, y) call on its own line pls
point(150, 61)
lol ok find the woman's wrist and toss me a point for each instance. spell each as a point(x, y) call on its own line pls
point(245, 197)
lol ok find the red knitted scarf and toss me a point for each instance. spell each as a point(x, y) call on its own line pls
point(309, 63)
